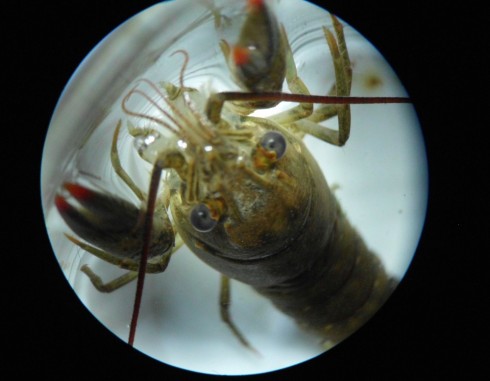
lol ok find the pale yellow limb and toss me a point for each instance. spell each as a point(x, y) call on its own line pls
point(109, 286)
point(224, 304)
point(156, 265)
point(119, 281)
point(116, 164)
point(295, 85)
point(343, 79)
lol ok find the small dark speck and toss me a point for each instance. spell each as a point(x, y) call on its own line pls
point(372, 81)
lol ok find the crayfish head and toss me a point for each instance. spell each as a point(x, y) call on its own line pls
point(252, 204)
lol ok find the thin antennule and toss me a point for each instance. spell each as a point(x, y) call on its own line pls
point(146, 116)
point(184, 65)
point(184, 120)
point(203, 123)
point(179, 119)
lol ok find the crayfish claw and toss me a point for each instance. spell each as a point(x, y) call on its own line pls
point(97, 217)
point(104, 207)
point(109, 222)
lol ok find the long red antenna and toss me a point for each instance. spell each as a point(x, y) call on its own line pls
point(147, 228)
point(216, 101)
point(304, 98)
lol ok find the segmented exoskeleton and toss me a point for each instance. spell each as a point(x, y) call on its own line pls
point(243, 192)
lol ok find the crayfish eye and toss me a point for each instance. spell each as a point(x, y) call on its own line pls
point(274, 141)
point(201, 219)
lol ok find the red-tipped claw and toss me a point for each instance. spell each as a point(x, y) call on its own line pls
point(62, 205)
point(111, 223)
point(255, 5)
point(78, 191)
point(241, 55)
point(104, 220)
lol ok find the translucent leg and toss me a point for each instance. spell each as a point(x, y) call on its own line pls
point(343, 79)
point(116, 164)
point(224, 304)
point(295, 85)
point(109, 286)
point(155, 266)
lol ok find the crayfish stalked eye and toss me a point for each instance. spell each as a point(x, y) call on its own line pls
point(201, 219)
point(275, 142)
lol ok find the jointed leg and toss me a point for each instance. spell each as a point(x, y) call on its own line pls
point(113, 284)
point(116, 163)
point(295, 85)
point(224, 304)
point(343, 78)
point(94, 278)
point(129, 264)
